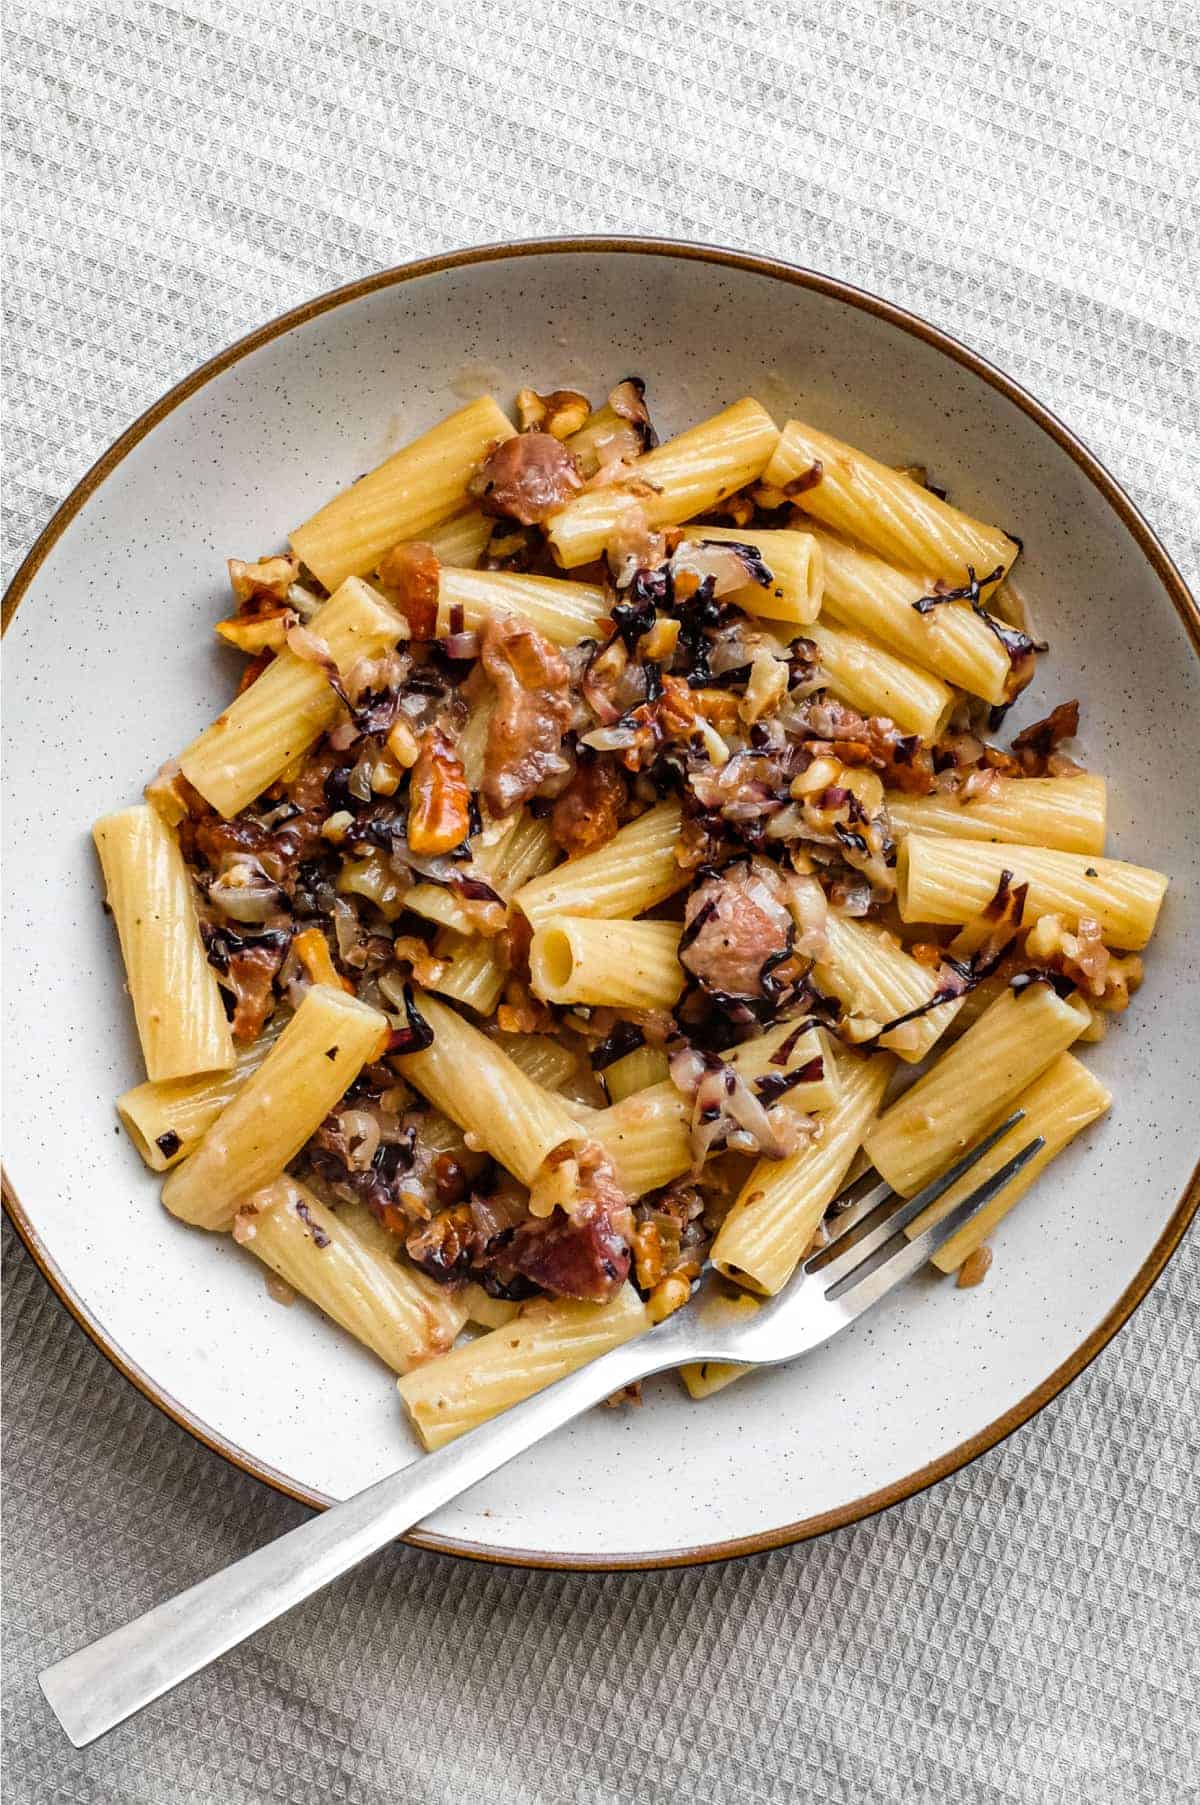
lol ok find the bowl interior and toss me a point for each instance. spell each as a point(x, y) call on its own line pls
point(111, 666)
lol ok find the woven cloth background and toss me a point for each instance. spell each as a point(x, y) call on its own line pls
point(178, 171)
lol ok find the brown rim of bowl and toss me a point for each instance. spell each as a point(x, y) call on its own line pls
point(1185, 606)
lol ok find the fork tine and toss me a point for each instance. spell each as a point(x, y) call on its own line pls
point(859, 1294)
point(835, 1259)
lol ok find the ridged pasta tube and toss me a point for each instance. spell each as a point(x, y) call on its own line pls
point(176, 1000)
point(313, 1063)
point(680, 479)
point(883, 508)
point(548, 1339)
point(943, 880)
point(561, 611)
point(635, 870)
point(1058, 1106)
point(972, 1084)
point(797, 567)
point(166, 1120)
point(1067, 814)
point(626, 964)
point(869, 972)
point(775, 1216)
point(322, 1253)
point(403, 497)
point(872, 596)
point(875, 681)
point(270, 724)
point(473, 1081)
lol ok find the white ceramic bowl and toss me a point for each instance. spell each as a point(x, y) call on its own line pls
point(111, 666)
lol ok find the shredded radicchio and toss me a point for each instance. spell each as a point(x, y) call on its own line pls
point(418, 1035)
point(625, 1038)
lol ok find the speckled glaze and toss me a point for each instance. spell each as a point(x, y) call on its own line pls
point(111, 666)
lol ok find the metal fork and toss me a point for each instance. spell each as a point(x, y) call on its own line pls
point(99, 1687)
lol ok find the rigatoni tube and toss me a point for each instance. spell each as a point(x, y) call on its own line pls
point(176, 1000)
point(865, 592)
point(395, 1311)
point(403, 497)
point(796, 564)
point(548, 1339)
point(875, 681)
point(972, 1085)
point(166, 1120)
point(944, 880)
point(635, 870)
point(313, 1063)
point(1058, 1106)
point(772, 1223)
point(561, 611)
point(647, 1135)
point(474, 1082)
point(270, 724)
point(680, 479)
point(869, 972)
point(1065, 813)
point(883, 508)
point(628, 964)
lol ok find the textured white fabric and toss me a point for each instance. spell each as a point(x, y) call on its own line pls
point(1028, 1632)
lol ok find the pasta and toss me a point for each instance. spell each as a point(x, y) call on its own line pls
point(868, 970)
point(415, 489)
point(873, 680)
point(177, 1005)
point(636, 870)
point(544, 1342)
point(165, 1120)
point(941, 879)
point(598, 826)
point(277, 719)
point(563, 612)
point(474, 1082)
point(1058, 1106)
point(797, 571)
point(872, 596)
point(681, 479)
point(884, 508)
point(316, 1058)
point(971, 1084)
point(333, 1259)
point(1067, 814)
point(629, 964)
point(780, 1206)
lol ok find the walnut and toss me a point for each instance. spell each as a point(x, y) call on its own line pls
point(560, 413)
point(439, 809)
point(269, 576)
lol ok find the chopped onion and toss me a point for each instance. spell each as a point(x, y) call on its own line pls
point(245, 893)
point(362, 1135)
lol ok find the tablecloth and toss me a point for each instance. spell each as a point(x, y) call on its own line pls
point(179, 170)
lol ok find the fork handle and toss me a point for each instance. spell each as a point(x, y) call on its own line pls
point(92, 1691)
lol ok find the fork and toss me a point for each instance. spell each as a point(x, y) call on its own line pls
point(92, 1691)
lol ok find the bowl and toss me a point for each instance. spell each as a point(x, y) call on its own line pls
point(111, 666)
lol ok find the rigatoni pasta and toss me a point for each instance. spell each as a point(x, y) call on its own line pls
point(326, 1256)
point(413, 490)
point(1067, 814)
point(176, 1003)
point(544, 1342)
point(319, 1054)
point(777, 1212)
point(971, 1085)
point(1058, 1105)
point(546, 916)
point(884, 508)
point(942, 879)
point(276, 720)
point(682, 478)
